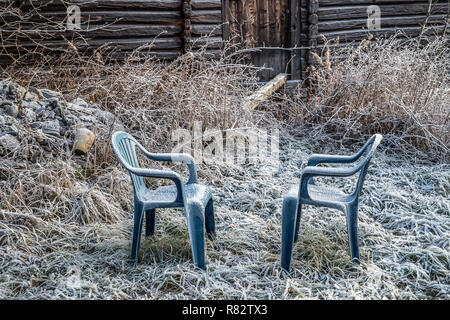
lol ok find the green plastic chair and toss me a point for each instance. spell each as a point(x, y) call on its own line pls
point(307, 192)
point(196, 199)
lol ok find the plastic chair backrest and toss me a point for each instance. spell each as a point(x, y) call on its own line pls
point(124, 146)
point(369, 149)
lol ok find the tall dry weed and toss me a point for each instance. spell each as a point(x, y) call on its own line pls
point(398, 89)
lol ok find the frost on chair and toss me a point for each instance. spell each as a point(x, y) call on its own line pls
point(307, 192)
point(196, 199)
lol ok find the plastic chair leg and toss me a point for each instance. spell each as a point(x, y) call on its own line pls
point(150, 222)
point(196, 222)
point(288, 220)
point(138, 218)
point(352, 227)
point(210, 224)
point(297, 221)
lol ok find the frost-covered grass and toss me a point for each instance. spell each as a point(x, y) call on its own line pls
point(65, 224)
point(404, 224)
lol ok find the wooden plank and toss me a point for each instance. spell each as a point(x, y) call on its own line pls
point(110, 31)
point(98, 17)
point(208, 42)
point(123, 44)
point(259, 96)
point(144, 54)
point(206, 16)
point(83, 4)
point(370, 2)
point(356, 35)
point(206, 4)
point(385, 22)
point(295, 31)
point(206, 29)
point(226, 19)
point(262, 23)
point(354, 12)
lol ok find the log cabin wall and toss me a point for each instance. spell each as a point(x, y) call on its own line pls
point(171, 26)
point(206, 25)
point(285, 31)
point(349, 20)
point(294, 28)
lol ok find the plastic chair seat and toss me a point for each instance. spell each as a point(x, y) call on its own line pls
point(329, 196)
point(168, 194)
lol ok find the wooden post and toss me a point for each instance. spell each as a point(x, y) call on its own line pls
point(187, 14)
point(313, 30)
point(225, 19)
point(296, 29)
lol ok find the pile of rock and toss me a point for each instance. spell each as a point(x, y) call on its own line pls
point(39, 123)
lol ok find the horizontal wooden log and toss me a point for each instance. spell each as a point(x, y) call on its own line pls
point(354, 12)
point(209, 53)
point(208, 42)
point(121, 44)
point(134, 16)
point(402, 41)
point(356, 35)
point(323, 3)
point(142, 55)
point(207, 4)
point(385, 22)
point(206, 29)
point(150, 17)
point(84, 4)
point(107, 56)
point(206, 16)
point(110, 31)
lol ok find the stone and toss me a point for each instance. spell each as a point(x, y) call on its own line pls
point(29, 115)
point(10, 108)
point(70, 120)
point(39, 136)
point(8, 128)
point(11, 91)
point(8, 143)
point(33, 94)
point(51, 127)
point(30, 105)
point(84, 139)
point(105, 117)
point(80, 103)
point(50, 94)
point(88, 121)
point(52, 104)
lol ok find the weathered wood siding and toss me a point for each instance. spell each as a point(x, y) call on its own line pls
point(261, 23)
point(206, 25)
point(347, 20)
point(284, 31)
point(123, 25)
point(290, 24)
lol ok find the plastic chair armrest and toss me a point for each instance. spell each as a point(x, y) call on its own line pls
point(316, 159)
point(177, 157)
point(174, 157)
